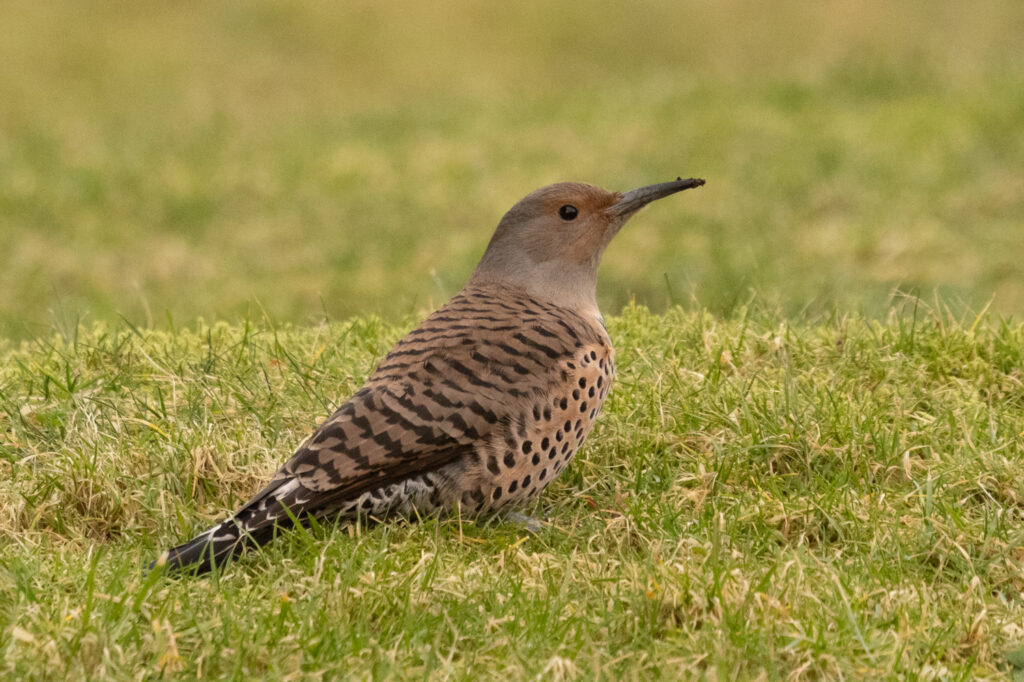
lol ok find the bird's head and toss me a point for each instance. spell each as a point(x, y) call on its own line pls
point(550, 243)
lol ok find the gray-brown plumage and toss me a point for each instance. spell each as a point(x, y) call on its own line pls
point(479, 407)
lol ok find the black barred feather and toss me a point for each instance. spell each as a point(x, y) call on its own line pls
point(252, 525)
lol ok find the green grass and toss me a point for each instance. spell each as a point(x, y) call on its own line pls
point(839, 497)
point(335, 158)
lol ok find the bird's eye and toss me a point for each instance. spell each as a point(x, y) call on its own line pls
point(568, 212)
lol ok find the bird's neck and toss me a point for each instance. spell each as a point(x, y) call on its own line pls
point(567, 286)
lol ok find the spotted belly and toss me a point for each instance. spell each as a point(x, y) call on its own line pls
point(533, 451)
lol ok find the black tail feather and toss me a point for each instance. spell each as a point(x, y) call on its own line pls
point(252, 525)
point(214, 547)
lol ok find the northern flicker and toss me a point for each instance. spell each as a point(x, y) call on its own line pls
point(483, 404)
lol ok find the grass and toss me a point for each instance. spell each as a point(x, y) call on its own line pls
point(810, 465)
point(839, 497)
point(322, 158)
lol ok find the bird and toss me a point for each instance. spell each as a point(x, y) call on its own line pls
point(478, 408)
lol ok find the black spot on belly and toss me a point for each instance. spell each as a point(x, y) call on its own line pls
point(510, 459)
point(536, 458)
point(527, 446)
point(583, 382)
point(496, 495)
point(492, 465)
point(583, 406)
point(513, 486)
point(526, 481)
point(544, 443)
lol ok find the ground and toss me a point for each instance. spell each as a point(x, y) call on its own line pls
point(759, 499)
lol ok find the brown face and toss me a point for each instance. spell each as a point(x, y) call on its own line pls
point(569, 221)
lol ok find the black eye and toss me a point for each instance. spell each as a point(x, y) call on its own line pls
point(568, 212)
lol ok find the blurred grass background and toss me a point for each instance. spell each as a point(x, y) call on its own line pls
point(172, 160)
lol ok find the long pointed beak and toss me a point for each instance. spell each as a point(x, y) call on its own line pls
point(634, 200)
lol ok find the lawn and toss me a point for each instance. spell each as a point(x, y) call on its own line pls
point(215, 219)
point(833, 499)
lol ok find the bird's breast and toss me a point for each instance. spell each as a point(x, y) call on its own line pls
point(534, 447)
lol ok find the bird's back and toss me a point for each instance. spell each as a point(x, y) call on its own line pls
point(457, 412)
point(480, 406)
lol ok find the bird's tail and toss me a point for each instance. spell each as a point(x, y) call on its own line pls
point(252, 525)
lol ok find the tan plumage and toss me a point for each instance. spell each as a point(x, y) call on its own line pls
point(479, 407)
